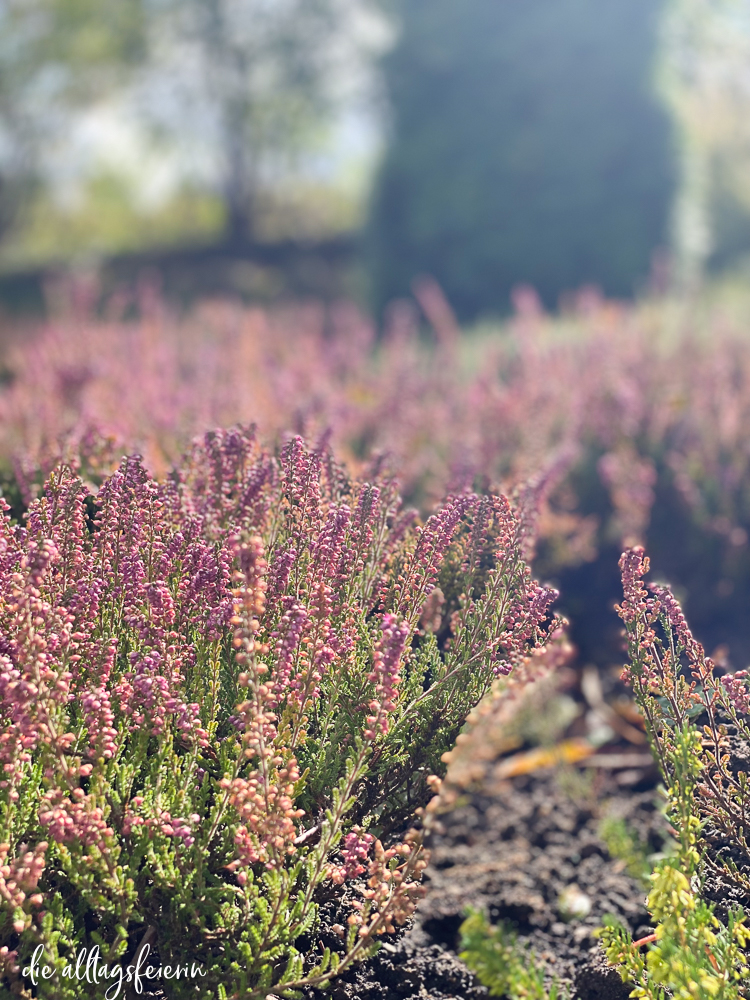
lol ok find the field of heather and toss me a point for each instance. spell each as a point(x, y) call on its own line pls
point(259, 566)
point(627, 425)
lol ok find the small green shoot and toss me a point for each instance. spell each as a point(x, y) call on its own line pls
point(501, 963)
point(624, 844)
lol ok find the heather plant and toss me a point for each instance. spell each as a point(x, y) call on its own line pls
point(223, 697)
point(497, 407)
point(674, 681)
point(694, 953)
point(492, 728)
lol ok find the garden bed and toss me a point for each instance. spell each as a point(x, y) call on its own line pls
point(513, 849)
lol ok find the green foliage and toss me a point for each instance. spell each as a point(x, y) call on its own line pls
point(55, 55)
point(107, 221)
point(624, 844)
point(526, 146)
point(705, 50)
point(500, 963)
point(257, 72)
point(674, 682)
point(91, 42)
point(694, 956)
point(261, 74)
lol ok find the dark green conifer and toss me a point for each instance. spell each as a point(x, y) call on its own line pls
point(527, 145)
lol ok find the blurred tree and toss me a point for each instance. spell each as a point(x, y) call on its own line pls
point(252, 75)
point(526, 146)
point(233, 89)
point(56, 55)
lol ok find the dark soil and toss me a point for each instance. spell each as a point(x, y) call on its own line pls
point(512, 851)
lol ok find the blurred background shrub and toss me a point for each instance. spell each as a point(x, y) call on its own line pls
point(527, 145)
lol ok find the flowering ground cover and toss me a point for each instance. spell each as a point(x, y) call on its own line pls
point(232, 670)
point(632, 421)
point(219, 696)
